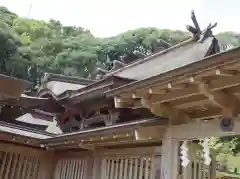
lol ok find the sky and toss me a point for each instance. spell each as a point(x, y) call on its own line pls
point(106, 18)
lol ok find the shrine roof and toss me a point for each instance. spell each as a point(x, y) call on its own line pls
point(67, 79)
point(50, 125)
point(59, 85)
point(198, 91)
point(179, 55)
point(24, 131)
point(12, 87)
point(45, 104)
point(61, 90)
point(175, 73)
point(98, 88)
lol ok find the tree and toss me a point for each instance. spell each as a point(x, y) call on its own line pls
point(228, 40)
point(31, 47)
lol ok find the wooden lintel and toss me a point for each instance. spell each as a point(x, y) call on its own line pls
point(121, 103)
point(86, 146)
point(157, 91)
point(111, 119)
point(137, 104)
point(159, 95)
point(191, 104)
point(206, 114)
point(138, 96)
point(226, 72)
point(202, 129)
point(215, 84)
point(177, 87)
point(164, 110)
point(148, 133)
point(174, 95)
point(227, 102)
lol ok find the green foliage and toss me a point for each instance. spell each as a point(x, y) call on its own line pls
point(31, 47)
point(228, 40)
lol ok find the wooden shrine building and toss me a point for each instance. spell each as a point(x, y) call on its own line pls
point(140, 120)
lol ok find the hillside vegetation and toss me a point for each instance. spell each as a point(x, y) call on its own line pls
point(30, 47)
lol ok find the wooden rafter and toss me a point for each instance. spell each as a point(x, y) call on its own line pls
point(175, 115)
point(215, 89)
point(227, 102)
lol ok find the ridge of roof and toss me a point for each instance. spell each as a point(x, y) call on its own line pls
point(58, 85)
point(118, 64)
point(198, 36)
point(153, 55)
point(66, 79)
point(95, 85)
point(98, 85)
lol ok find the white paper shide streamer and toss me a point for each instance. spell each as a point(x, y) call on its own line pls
point(184, 154)
point(206, 151)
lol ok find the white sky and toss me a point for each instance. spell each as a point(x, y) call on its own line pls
point(109, 17)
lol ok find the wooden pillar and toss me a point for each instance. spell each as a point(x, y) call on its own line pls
point(89, 168)
point(97, 167)
point(156, 167)
point(47, 166)
point(169, 159)
point(213, 164)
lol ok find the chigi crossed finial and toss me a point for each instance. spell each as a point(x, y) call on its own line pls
point(196, 31)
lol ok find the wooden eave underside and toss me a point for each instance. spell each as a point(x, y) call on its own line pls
point(91, 139)
point(22, 135)
point(45, 104)
point(121, 134)
point(203, 90)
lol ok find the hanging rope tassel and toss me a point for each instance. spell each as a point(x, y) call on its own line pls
point(184, 154)
point(206, 151)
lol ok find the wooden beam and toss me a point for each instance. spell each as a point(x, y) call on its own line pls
point(176, 87)
point(226, 72)
point(215, 83)
point(190, 104)
point(22, 150)
point(123, 103)
point(86, 146)
point(111, 118)
point(202, 129)
point(206, 114)
point(143, 151)
point(175, 115)
point(174, 95)
point(227, 102)
point(157, 91)
point(149, 133)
